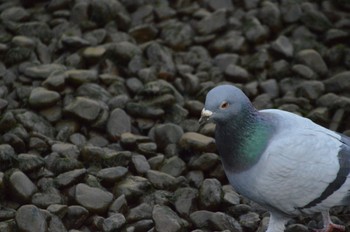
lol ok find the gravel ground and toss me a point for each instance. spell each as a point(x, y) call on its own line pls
point(100, 100)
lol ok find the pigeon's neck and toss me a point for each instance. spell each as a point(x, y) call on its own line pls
point(249, 134)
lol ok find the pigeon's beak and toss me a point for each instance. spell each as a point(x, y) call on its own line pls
point(205, 116)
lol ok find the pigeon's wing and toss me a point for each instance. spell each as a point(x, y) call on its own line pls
point(305, 168)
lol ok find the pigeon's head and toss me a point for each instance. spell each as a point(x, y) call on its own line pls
point(224, 103)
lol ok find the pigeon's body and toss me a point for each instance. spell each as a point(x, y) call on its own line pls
point(280, 160)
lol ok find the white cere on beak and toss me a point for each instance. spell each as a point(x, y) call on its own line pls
point(206, 113)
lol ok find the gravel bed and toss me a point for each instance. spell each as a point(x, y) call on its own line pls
point(100, 100)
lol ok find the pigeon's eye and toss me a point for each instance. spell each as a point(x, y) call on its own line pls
point(224, 105)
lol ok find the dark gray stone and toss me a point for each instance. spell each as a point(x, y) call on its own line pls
point(313, 60)
point(113, 174)
point(311, 89)
point(250, 220)
point(75, 216)
point(8, 158)
point(290, 11)
point(41, 97)
point(140, 164)
point(210, 194)
point(270, 15)
point(144, 33)
point(142, 211)
point(93, 199)
point(118, 123)
point(177, 35)
point(29, 218)
point(173, 166)
point(69, 178)
point(30, 162)
point(316, 20)
point(195, 141)
point(186, 200)
point(165, 134)
point(161, 58)
point(81, 76)
point(165, 217)
point(304, 71)
point(229, 195)
point(213, 22)
point(15, 14)
point(113, 222)
point(204, 162)
point(161, 180)
point(84, 108)
point(94, 91)
point(283, 46)
point(21, 186)
point(132, 187)
point(43, 200)
point(339, 82)
point(254, 31)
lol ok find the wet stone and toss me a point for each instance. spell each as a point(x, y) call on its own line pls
point(93, 199)
point(41, 97)
point(29, 218)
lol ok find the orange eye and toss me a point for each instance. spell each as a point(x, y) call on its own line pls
point(224, 105)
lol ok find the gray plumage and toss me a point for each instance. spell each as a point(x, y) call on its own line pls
point(284, 162)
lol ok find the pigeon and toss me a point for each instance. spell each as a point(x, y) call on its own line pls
point(284, 162)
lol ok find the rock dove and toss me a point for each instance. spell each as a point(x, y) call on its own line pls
point(285, 162)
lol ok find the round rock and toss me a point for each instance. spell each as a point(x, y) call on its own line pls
point(93, 199)
point(41, 97)
point(29, 218)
